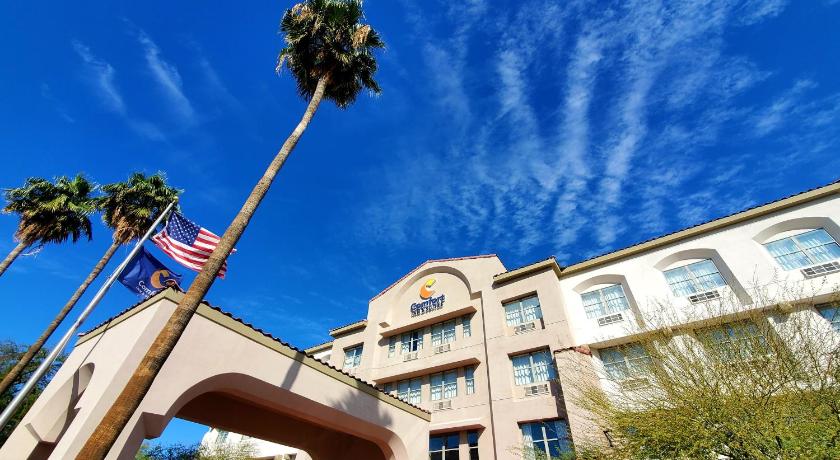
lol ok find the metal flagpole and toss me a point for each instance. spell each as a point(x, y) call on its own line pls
point(42, 369)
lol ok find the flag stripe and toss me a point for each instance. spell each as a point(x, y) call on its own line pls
point(187, 243)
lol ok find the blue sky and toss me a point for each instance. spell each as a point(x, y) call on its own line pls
point(523, 128)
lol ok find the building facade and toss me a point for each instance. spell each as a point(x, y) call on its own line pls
point(482, 346)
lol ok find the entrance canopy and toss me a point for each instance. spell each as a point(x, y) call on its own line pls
point(225, 373)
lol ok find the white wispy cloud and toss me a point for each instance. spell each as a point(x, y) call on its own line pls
point(771, 118)
point(103, 75)
point(579, 122)
point(46, 93)
point(168, 78)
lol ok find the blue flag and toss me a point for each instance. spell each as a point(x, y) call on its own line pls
point(145, 275)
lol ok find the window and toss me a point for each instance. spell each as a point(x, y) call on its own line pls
point(443, 333)
point(472, 442)
point(409, 390)
point(388, 388)
point(411, 341)
point(624, 362)
point(694, 278)
point(444, 446)
point(602, 302)
point(832, 314)
point(392, 346)
point(522, 311)
point(735, 341)
point(466, 325)
point(532, 368)
point(352, 357)
point(803, 250)
point(444, 385)
point(469, 379)
point(548, 439)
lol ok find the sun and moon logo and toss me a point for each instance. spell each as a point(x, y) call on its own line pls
point(426, 291)
point(429, 301)
point(161, 279)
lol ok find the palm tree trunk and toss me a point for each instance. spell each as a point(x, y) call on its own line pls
point(36, 347)
point(11, 257)
point(110, 427)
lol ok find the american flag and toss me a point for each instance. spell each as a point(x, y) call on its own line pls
point(189, 244)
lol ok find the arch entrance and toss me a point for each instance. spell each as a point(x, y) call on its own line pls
point(223, 373)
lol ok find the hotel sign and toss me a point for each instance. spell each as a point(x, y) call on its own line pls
point(428, 301)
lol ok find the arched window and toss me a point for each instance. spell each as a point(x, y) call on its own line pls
point(810, 249)
point(604, 301)
point(695, 279)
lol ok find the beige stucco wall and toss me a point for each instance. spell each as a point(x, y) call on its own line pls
point(499, 406)
point(472, 286)
point(226, 374)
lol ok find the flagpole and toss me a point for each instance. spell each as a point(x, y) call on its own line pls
point(13, 406)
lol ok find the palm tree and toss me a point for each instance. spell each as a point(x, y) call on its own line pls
point(49, 212)
point(330, 53)
point(129, 208)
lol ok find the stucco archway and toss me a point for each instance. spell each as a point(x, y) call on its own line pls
point(226, 373)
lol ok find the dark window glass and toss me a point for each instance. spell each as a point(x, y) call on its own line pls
point(436, 456)
point(554, 448)
point(436, 442)
point(453, 440)
point(472, 438)
point(451, 455)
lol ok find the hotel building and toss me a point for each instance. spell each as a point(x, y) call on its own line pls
point(480, 345)
point(458, 359)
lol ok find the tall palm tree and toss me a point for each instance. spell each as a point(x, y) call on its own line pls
point(49, 212)
point(128, 208)
point(330, 53)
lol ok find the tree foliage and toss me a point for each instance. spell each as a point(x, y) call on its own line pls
point(130, 207)
point(243, 449)
point(326, 39)
point(723, 379)
point(10, 353)
point(52, 212)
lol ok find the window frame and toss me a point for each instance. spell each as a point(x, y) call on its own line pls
point(520, 316)
point(800, 249)
point(731, 349)
point(445, 334)
point(469, 380)
point(466, 326)
point(694, 279)
point(602, 302)
point(356, 357)
point(562, 440)
point(446, 449)
point(412, 395)
point(446, 389)
point(392, 346)
point(472, 444)
point(628, 364)
point(413, 341)
point(551, 372)
point(834, 320)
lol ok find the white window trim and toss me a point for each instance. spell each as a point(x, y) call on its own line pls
point(520, 315)
point(551, 371)
point(356, 357)
point(603, 301)
point(695, 283)
point(799, 248)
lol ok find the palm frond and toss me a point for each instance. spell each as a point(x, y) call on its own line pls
point(52, 212)
point(327, 39)
point(130, 207)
